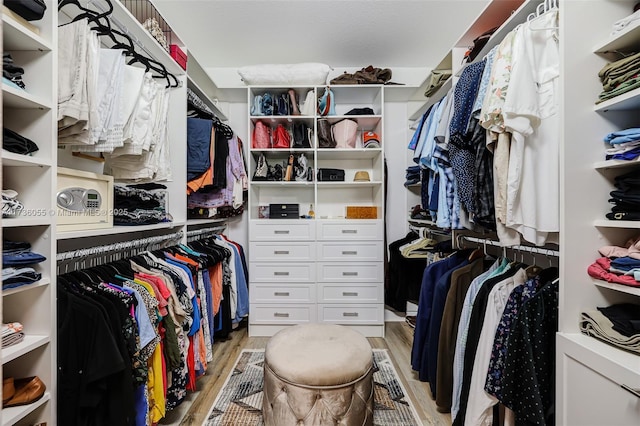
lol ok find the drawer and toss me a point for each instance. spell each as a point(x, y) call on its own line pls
point(282, 230)
point(283, 314)
point(351, 272)
point(282, 272)
point(276, 293)
point(350, 230)
point(348, 252)
point(274, 251)
point(350, 293)
point(351, 314)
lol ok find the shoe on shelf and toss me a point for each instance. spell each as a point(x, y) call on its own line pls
point(27, 391)
point(8, 390)
point(11, 207)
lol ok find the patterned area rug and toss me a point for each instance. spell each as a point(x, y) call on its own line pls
point(239, 403)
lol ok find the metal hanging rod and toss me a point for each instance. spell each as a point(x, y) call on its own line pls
point(425, 230)
point(529, 249)
point(117, 247)
point(206, 231)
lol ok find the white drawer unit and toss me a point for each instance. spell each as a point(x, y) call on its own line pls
point(282, 272)
point(282, 230)
point(277, 293)
point(277, 251)
point(363, 251)
point(351, 314)
point(350, 293)
point(360, 229)
point(350, 272)
point(282, 314)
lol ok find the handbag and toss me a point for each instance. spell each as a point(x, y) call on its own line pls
point(267, 104)
point(283, 104)
point(310, 106)
point(261, 136)
point(301, 135)
point(327, 103)
point(256, 108)
point(345, 133)
point(325, 138)
point(31, 10)
point(262, 168)
point(281, 137)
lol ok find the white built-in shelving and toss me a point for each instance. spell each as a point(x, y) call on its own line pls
point(31, 113)
point(584, 362)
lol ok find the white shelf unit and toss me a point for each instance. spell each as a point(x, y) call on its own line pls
point(31, 113)
point(584, 362)
point(294, 276)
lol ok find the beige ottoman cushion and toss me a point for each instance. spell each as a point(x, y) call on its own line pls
point(318, 374)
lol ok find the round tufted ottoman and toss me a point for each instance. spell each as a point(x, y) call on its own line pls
point(318, 375)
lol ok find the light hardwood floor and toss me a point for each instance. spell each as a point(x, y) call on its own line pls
point(398, 340)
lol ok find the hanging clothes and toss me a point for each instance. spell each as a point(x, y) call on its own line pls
point(152, 321)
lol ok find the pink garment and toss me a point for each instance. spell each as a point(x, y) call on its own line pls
point(600, 270)
point(631, 249)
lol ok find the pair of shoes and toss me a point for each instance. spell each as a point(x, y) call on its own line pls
point(25, 391)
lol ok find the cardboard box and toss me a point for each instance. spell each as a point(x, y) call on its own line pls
point(362, 212)
point(178, 55)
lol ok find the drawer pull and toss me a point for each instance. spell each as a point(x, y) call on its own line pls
point(281, 273)
point(352, 252)
point(349, 314)
point(629, 389)
point(281, 252)
point(285, 231)
point(281, 293)
point(349, 293)
point(281, 314)
point(349, 231)
point(349, 274)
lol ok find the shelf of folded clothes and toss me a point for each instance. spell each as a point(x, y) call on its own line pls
point(623, 101)
point(614, 164)
point(605, 223)
point(626, 35)
point(12, 415)
point(615, 325)
point(21, 160)
point(17, 35)
point(15, 97)
point(617, 287)
point(40, 283)
point(28, 343)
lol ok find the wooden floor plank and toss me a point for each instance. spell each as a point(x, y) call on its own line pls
point(398, 340)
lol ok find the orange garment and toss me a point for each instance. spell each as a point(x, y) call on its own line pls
point(215, 277)
point(186, 259)
point(206, 178)
point(203, 348)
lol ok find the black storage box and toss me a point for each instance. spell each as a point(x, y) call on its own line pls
point(30, 10)
point(284, 211)
point(330, 175)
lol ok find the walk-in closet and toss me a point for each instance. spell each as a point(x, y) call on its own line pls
point(320, 212)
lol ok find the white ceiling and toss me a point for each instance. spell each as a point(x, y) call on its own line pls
point(340, 33)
